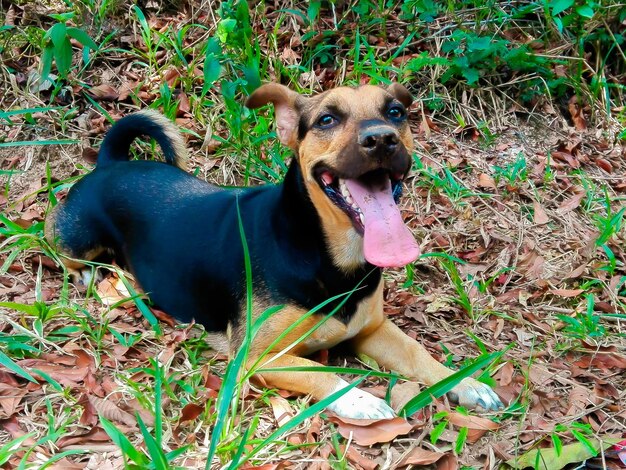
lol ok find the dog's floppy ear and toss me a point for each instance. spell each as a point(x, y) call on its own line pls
point(284, 101)
point(401, 94)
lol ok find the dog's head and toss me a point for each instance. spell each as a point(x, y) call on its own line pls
point(354, 149)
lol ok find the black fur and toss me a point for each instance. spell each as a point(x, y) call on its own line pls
point(117, 143)
point(180, 237)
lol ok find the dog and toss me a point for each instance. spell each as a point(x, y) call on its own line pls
point(324, 233)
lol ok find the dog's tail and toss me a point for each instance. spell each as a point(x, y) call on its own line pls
point(116, 144)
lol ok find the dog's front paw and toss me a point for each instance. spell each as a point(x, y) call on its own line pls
point(358, 404)
point(474, 394)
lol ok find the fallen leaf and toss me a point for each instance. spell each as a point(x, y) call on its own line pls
point(548, 459)
point(477, 426)
point(540, 217)
point(95, 434)
point(531, 265)
point(110, 411)
point(448, 462)
point(103, 92)
point(419, 456)
point(576, 111)
point(281, 409)
point(604, 361)
point(570, 204)
point(313, 432)
point(161, 315)
point(66, 376)
point(65, 464)
point(567, 293)
point(604, 164)
point(366, 432)
point(183, 105)
point(112, 290)
point(504, 376)
point(190, 412)
point(10, 399)
point(486, 181)
point(357, 458)
point(566, 157)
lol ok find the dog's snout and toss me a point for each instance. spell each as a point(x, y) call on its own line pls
point(376, 139)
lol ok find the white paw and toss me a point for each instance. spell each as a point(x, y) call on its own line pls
point(474, 394)
point(86, 276)
point(358, 404)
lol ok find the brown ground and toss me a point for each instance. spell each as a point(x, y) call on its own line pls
point(532, 241)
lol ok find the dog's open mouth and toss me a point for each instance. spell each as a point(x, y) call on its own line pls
point(371, 203)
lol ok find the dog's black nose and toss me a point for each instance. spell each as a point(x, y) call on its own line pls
point(377, 140)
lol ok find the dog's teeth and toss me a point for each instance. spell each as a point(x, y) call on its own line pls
point(361, 218)
point(349, 199)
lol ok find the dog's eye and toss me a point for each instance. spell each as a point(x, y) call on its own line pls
point(396, 112)
point(326, 120)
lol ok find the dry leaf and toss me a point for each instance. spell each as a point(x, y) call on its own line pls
point(419, 456)
point(95, 434)
point(570, 204)
point(531, 265)
point(357, 458)
point(190, 412)
point(111, 411)
point(103, 92)
point(477, 426)
point(448, 462)
point(486, 181)
point(183, 105)
point(366, 432)
point(540, 217)
point(505, 374)
point(66, 376)
point(111, 290)
point(10, 398)
point(604, 164)
point(567, 293)
point(576, 111)
point(281, 409)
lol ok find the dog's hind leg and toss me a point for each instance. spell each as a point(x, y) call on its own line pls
point(73, 240)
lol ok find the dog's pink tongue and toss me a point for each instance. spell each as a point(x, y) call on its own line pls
point(387, 242)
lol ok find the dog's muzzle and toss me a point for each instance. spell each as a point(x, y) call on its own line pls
point(379, 141)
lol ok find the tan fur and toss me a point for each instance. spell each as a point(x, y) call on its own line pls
point(391, 348)
point(359, 104)
point(369, 331)
point(69, 259)
point(288, 352)
point(172, 133)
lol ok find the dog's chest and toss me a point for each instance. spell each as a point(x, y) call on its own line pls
point(368, 316)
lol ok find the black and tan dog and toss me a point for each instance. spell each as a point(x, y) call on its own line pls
point(327, 230)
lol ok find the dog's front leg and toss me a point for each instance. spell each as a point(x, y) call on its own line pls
point(392, 349)
point(353, 404)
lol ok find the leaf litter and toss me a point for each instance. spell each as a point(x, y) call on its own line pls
point(532, 260)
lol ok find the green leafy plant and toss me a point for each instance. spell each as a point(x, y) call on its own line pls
point(581, 431)
point(513, 173)
point(58, 47)
point(584, 325)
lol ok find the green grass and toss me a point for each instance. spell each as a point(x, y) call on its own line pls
point(468, 63)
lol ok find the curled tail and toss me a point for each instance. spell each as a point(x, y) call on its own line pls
point(116, 144)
